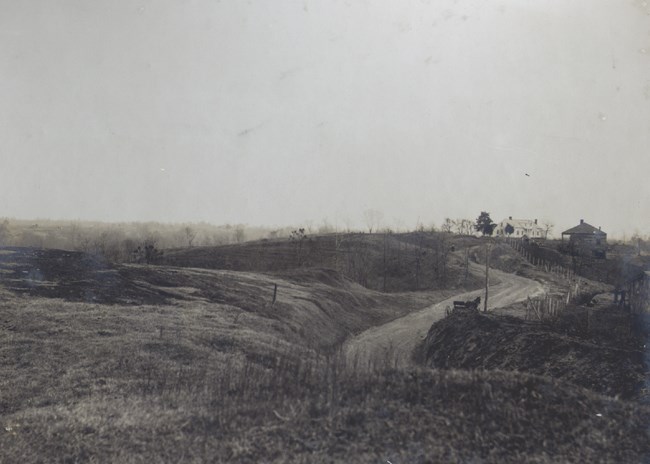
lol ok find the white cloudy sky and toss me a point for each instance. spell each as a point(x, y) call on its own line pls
point(277, 112)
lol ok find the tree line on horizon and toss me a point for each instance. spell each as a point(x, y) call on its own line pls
point(120, 241)
point(123, 241)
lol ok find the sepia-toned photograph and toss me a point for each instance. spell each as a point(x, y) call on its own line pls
point(324, 231)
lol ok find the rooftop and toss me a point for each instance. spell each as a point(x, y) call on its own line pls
point(521, 222)
point(583, 228)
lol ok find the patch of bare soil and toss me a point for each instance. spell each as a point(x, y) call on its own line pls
point(596, 350)
point(72, 276)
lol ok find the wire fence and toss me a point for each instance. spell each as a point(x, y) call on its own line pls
point(548, 306)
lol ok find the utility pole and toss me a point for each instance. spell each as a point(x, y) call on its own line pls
point(466, 263)
point(487, 275)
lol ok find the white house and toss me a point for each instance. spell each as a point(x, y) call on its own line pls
point(519, 228)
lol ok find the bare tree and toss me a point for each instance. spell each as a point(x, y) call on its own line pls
point(4, 232)
point(297, 237)
point(420, 254)
point(99, 243)
point(465, 226)
point(83, 242)
point(326, 227)
point(147, 252)
point(447, 225)
point(309, 226)
point(240, 234)
point(386, 251)
point(219, 239)
point(440, 251)
point(348, 224)
point(190, 235)
point(75, 234)
point(548, 226)
point(373, 219)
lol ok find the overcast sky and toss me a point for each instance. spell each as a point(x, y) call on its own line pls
point(279, 112)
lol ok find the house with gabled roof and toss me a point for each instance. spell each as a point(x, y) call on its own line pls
point(519, 228)
point(587, 239)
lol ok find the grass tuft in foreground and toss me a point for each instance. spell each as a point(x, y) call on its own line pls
point(325, 411)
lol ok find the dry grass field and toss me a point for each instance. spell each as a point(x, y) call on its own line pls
point(101, 362)
point(385, 261)
point(603, 357)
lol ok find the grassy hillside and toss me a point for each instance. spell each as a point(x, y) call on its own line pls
point(507, 259)
point(73, 324)
point(385, 262)
point(134, 363)
point(318, 306)
point(325, 414)
point(596, 349)
point(623, 263)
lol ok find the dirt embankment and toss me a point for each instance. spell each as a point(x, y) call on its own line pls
point(393, 343)
point(595, 351)
point(314, 307)
point(64, 343)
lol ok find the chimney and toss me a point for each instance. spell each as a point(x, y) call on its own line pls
point(582, 221)
point(535, 221)
point(510, 218)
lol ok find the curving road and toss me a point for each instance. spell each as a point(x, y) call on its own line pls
point(392, 344)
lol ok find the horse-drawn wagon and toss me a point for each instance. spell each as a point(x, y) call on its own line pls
point(471, 304)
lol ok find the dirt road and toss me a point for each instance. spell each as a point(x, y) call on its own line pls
point(393, 343)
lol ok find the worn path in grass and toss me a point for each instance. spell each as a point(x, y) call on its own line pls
point(393, 343)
